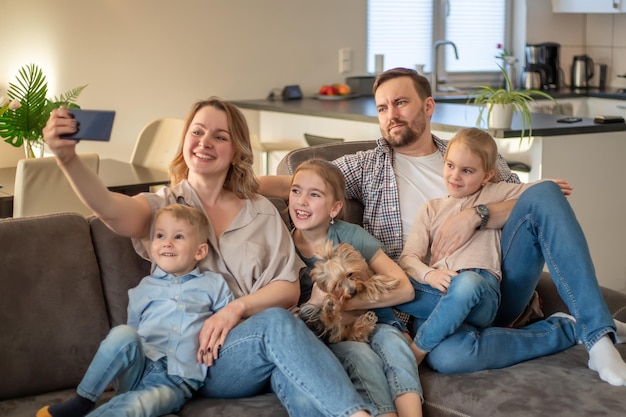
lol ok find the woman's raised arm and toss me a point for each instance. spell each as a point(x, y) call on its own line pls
point(125, 215)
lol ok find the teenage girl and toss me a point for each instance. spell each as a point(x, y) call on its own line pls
point(385, 370)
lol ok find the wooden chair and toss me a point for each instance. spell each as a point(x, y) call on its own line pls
point(158, 142)
point(41, 187)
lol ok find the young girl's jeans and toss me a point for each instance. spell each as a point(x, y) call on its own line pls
point(380, 370)
point(472, 297)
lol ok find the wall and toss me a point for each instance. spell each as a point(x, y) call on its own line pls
point(601, 36)
point(152, 58)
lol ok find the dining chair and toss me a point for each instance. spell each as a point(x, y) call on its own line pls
point(158, 142)
point(266, 149)
point(41, 187)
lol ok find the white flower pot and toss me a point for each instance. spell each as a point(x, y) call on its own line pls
point(500, 116)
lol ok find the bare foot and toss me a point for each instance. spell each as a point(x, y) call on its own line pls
point(417, 352)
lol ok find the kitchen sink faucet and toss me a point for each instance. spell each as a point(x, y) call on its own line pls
point(434, 81)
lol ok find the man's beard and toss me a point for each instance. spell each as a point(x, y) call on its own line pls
point(407, 137)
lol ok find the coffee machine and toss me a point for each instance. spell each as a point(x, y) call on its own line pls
point(544, 59)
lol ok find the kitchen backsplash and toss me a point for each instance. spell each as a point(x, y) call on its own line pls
point(603, 37)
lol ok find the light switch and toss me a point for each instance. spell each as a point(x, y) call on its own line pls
point(345, 60)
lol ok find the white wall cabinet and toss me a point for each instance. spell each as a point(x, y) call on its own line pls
point(589, 6)
point(606, 107)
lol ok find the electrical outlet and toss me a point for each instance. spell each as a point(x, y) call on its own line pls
point(345, 60)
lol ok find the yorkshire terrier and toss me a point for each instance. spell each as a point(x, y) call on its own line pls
point(342, 273)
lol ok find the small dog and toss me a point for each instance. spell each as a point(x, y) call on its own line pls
point(342, 273)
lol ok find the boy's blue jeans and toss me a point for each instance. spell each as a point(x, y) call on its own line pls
point(143, 386)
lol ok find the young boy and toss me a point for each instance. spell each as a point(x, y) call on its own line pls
point(152, 361)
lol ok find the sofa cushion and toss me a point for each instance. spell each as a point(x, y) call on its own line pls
point(120, 267)
point(52, 313)
point(559, 385)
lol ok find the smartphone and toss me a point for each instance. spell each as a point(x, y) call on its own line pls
point(608, 119)
point(92, 124)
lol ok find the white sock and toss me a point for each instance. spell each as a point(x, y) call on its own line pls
point(607, 362)
point(620, 337)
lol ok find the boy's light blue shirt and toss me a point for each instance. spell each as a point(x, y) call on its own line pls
point(168, 313)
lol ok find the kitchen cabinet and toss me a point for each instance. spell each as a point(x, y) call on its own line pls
point(563, 106)
point(581, 107)
point(606, 107)
point(589, 6)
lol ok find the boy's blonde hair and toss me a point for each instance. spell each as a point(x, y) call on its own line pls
point(481, 144)
point(192, 215)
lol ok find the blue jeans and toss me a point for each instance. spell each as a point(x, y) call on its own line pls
point(274, 347)
point(143, 386)
point(380, 370)
point(472, 297)
point(541, 228)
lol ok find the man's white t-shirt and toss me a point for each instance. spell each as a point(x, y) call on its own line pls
point(419, 178)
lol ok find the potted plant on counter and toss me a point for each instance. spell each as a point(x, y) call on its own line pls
point(501, 103)
point(21, 123)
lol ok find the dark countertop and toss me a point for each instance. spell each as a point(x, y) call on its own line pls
point(447, 117)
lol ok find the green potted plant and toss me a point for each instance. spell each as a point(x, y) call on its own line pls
point(501, 103)
point(22, 122)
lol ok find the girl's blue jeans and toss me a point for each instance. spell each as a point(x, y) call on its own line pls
point(541, 229)
point(472, 297)
point(143, 386)
point(382, 369)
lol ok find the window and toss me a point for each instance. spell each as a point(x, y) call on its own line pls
point(405, 30)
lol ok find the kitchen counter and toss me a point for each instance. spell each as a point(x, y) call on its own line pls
point(448, 117)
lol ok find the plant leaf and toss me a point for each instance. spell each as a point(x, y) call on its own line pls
point(31, 89)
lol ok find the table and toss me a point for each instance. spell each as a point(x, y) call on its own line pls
point(119, 176)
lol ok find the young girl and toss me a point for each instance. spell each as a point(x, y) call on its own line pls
point(465, 286)
point(388, 379)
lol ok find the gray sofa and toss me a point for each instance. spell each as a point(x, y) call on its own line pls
point(64, 282)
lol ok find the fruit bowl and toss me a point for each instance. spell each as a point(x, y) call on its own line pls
point(335, 97)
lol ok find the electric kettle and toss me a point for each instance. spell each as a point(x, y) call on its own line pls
point(582, 71)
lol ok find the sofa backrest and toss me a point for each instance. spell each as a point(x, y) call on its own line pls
point(120, 268)
point(353, 211)
point(52, 310)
